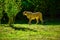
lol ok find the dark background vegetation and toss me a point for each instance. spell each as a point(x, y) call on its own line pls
point(49, 8)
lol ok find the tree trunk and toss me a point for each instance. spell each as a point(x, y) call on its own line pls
point(0, 19)
point(11, 21)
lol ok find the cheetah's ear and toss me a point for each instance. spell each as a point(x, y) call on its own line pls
point(25, 11)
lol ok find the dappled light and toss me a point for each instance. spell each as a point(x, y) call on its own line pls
point(29, 20)
point(25, 31)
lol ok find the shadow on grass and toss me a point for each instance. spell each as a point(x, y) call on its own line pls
point(49, 22)
point(22, 28)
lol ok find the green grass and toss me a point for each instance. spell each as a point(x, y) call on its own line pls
point(29, 32)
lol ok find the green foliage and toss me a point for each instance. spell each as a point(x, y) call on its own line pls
point(12, 7)
point(39, 5)
point(1, 9)
point(35, 5)
point(51, 6)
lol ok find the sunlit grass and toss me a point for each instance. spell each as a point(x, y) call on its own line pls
point(42, 32)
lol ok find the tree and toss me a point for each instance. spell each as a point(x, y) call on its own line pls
point(51, 6)
point(1, 10)
point(35, 5)
point(12, 7)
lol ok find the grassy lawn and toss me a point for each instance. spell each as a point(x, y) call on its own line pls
point(29, 32)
